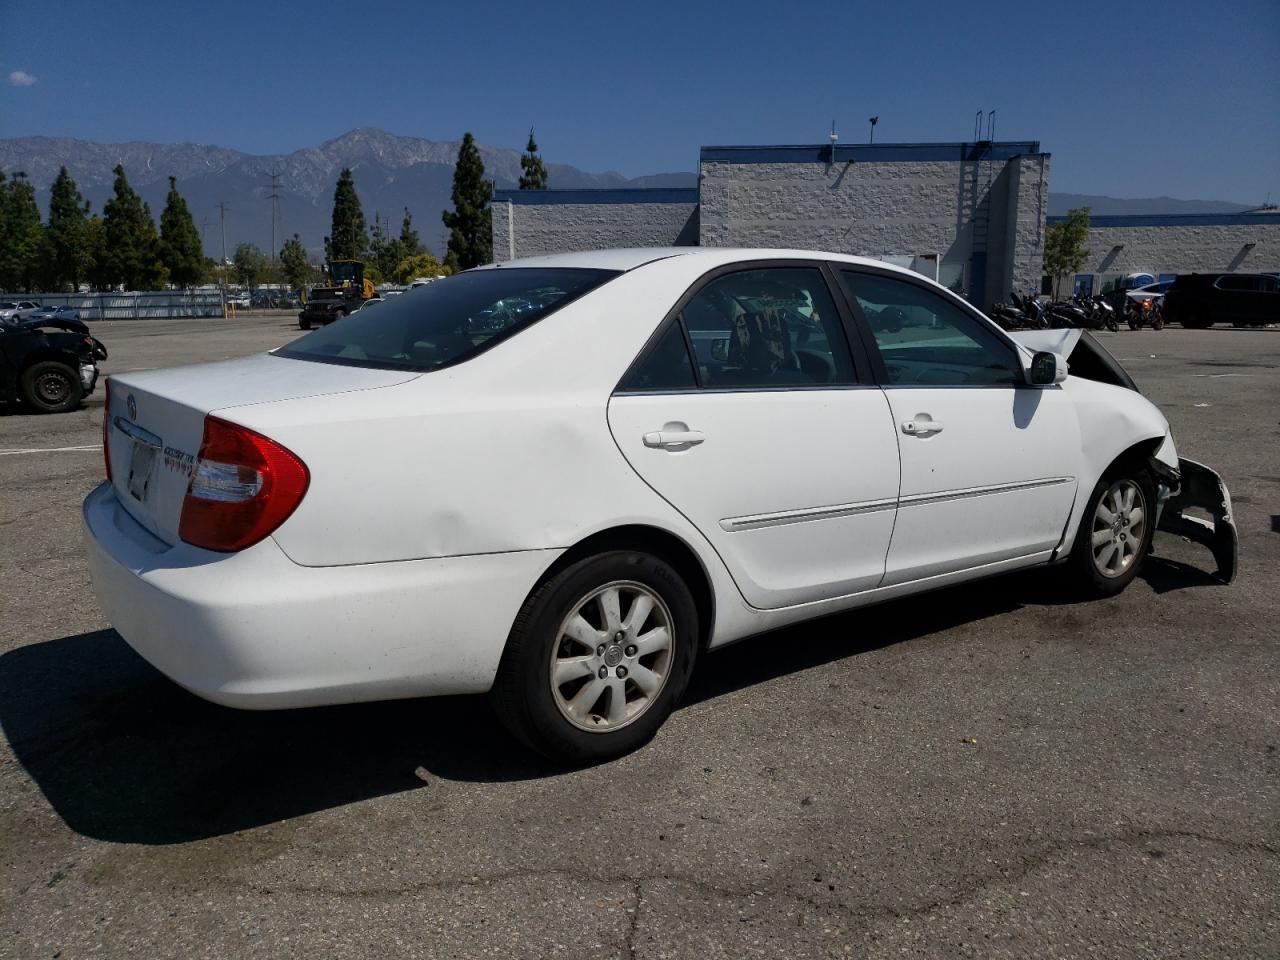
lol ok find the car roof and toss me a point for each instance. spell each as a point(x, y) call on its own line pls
point(709, 257)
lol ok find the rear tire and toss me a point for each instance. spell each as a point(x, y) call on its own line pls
point(1197, 318)
point(580, 682)
point(50, 387)
point(304, 324)
point(1115, 533)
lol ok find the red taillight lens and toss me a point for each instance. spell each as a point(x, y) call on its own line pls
point(243, 487)
point(106, 428)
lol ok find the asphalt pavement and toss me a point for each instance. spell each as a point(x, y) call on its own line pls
point(989, 772)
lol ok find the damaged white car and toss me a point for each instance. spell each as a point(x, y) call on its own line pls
point(563, 479)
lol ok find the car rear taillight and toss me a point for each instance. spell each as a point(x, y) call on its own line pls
point(243, 487)
point(106, 429)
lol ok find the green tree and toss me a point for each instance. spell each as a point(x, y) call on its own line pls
point(248, 265)
point(534, 174)
point(98, 272)
point(132, 245)
point(1064, 246)
point(22, 241)
point(293, 262)
point(419, 265)
point(384, 252)
point(410, 243)
point(69, 258)
point(348, 238)
point(181, 251)
point(470, 222)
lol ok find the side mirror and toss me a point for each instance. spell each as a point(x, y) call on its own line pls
point(720, 349)
point(1047, 368)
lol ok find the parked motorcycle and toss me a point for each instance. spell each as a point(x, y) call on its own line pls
point(1147, 312)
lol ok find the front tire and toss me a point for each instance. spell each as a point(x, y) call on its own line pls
point(598, 657)
point(50, 387)
point(1115, 533)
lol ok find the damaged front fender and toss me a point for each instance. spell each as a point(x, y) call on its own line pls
point(1198, 486)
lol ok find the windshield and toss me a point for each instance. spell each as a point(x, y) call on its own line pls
point(345, 271)
point(448, 321)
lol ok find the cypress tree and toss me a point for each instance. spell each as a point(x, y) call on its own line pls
point(348, 239)
point(22, 242)
point(471, 221)
point(181, 251)
point(410, 244)
point(384, 252)
point(95, 241)
point(132, 246)
point(68, 250)
point(534, 175)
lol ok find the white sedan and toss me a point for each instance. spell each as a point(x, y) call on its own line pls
point(563, 479)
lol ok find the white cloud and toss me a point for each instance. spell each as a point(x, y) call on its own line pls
point(20, 78)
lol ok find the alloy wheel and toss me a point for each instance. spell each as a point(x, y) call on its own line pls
point(612, 656)
point(1119, 528)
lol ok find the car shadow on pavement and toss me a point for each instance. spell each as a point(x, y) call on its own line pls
point(125, 755)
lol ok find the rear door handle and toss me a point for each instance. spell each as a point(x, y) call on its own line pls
point(674, 439)
point(922, 426)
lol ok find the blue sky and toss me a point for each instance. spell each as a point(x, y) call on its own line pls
point(1178, 98)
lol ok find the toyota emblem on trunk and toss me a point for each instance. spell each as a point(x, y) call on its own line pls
point(132, 404)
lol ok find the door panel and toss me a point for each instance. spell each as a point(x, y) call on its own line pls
point(988, 464)
point(795, 489)
point(996, 482)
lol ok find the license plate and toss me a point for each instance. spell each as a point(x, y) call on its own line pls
point(140, 464)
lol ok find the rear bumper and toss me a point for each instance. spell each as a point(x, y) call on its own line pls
point(255, 630)
point(1202, 488)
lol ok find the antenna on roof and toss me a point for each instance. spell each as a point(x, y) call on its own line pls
point(977, 126)
point(991, 126)
point(833, 137)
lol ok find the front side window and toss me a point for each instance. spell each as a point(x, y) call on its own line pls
point(448, 321)
point(925, 339)
point(771, 327)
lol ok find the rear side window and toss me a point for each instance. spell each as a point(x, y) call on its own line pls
point(1238, 283)
point(772, 327)
point(448, 321)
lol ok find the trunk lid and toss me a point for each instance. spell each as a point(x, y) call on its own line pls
point(157, 420)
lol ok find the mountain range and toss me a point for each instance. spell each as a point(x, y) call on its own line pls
point(391, 172)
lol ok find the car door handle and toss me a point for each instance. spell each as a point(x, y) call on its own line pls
point(922, 426)
point(673, 439)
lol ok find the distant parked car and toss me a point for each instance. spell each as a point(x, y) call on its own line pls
point(368, 304)
point(56, 313)
point(18, 309)
point(1200, 300)
point(1152, 291)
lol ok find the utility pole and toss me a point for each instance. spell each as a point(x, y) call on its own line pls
point(222, 216)
point(274, 197)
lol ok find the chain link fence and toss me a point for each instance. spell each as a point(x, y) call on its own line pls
point(145, 305)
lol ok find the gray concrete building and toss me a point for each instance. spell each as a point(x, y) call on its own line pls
point(1164, 246)
point(531, 222)
point(970, 215)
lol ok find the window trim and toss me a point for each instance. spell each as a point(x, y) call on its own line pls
point(868, 336)
point(863, 372)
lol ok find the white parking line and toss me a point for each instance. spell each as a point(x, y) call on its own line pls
point(87, 447)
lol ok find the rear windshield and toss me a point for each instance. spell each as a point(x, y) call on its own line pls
point(448, 321)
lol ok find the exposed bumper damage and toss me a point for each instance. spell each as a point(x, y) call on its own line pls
point(1198, 486)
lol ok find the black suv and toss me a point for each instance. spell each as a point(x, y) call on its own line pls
point(49, 365)
point(1200, 300)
